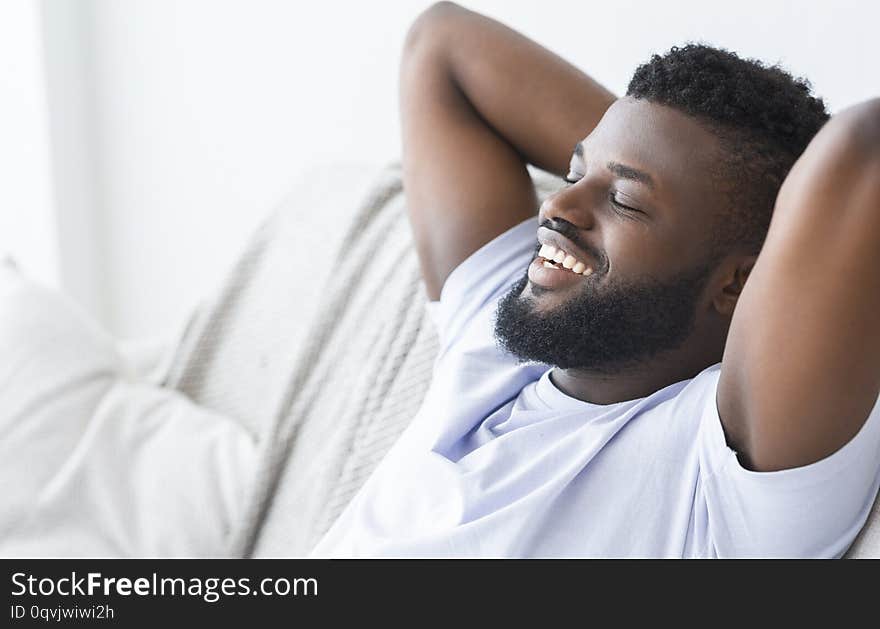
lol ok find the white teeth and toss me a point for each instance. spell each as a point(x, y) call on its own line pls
point(552, 255)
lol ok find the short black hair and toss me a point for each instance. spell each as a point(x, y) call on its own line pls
point(763, 116)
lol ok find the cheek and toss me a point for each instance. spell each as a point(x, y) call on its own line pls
point(637, 250)
point(631, 250)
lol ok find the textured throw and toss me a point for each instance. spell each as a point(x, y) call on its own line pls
point(319, 341)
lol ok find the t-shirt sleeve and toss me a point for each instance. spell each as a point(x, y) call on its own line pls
point(482, 278)
point(815, 510)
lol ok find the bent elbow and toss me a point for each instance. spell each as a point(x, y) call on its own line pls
point(858, 128)
point(426, 24)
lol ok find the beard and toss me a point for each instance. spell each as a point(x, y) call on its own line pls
point(602, 329)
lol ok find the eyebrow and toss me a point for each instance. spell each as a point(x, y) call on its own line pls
point(621, 170)
point(628, 172)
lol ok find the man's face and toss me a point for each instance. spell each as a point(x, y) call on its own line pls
point(637, 223)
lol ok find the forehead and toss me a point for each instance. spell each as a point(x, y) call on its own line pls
point(677, 151)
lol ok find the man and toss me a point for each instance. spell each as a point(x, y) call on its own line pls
point(609, 383)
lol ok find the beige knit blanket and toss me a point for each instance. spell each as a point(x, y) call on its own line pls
point(319, 341)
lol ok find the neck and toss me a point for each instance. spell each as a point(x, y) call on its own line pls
point(633, 382)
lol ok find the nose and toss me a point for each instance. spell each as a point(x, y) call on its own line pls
point(568, 205)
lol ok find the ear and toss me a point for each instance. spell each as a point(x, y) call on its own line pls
point(736, 272)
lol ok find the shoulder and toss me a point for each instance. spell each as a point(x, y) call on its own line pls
point(475, 285)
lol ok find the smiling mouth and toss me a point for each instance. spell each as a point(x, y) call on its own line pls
point(554, 258)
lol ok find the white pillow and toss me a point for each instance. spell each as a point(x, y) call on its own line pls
point(96, 462)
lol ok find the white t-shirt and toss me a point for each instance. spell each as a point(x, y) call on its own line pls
point(498, 462)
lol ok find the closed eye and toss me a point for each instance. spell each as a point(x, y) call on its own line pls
point(620, 206)
point(571, 179)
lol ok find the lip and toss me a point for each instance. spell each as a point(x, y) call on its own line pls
point(552, 278)
point(547, 236)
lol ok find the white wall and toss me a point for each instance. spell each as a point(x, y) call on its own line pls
point(195, 115)
point(27, 228)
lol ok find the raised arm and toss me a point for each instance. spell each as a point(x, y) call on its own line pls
point(801, 368)
point(478, 102)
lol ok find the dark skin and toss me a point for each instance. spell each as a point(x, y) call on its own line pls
point(654, 234)
point(799, 342)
